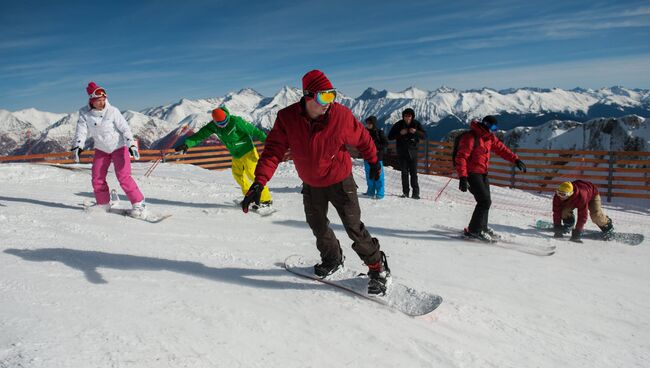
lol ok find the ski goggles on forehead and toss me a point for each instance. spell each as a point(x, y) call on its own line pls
point(563, 195)
point(99, 92)
point(322, 97)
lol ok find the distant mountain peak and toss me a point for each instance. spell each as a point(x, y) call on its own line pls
point(371, 94)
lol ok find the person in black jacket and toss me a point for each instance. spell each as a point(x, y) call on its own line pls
point(408, 133)
point(376, 187)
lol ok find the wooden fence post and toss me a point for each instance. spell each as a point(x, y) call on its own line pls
point(610, 176)
point(427, 166)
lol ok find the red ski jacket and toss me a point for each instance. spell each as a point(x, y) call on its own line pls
point(583, 193)
point(477, 160)
point(317, 146)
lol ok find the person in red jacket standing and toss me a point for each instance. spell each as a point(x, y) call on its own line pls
point(317, 130)
point(472, 162)
point(584, 196)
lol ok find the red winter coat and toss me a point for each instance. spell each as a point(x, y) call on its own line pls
point(477, 160)
point(317, 146)
point(583, 193)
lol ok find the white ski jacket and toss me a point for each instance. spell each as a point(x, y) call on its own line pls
point(107, 127)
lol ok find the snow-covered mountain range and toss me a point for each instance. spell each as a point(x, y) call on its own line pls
point(546, 112)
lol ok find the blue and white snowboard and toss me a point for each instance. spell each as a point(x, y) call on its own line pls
point(402, 298)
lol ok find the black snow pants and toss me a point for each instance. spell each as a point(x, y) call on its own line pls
point(409, 165)
point(479, 186)
point(343, 197)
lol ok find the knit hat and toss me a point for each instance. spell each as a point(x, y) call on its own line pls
point(371, 120)
point(91, 88)
point(565, 189)
point(220, 117)
point(315, 81)
point(408, 111)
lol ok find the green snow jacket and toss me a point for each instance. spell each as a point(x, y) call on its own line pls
point(237, 136)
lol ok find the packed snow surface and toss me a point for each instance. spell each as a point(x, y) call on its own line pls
point(206, 287)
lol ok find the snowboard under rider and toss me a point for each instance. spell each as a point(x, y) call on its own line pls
point(584, 196)
point(113, 142)
point(317, 130)
point(237, 135)
point(472, 162)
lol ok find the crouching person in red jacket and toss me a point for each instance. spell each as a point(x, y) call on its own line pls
point(584, 196)
point(317, 129)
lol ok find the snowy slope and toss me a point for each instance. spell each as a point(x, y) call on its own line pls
point(206, 288)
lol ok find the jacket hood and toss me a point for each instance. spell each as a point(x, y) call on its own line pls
point(479, 128)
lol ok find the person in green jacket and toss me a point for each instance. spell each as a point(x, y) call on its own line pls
point(237, 135)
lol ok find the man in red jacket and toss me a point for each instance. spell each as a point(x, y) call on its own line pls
point(317, 130)
point(584, 196)
point(472, 162)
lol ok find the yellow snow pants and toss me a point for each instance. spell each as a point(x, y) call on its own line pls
point(243, 170)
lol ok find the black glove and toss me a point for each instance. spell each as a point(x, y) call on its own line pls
point(375, 171)
point(253, 195)
point(520, 165)
point(76, 152)
point(558, 231)
point(133, 150)
point(463, 184)
point(576, 236)
point(182, 147)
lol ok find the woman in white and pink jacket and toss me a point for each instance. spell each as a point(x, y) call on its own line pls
point(113, 143)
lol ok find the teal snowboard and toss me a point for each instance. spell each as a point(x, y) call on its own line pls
point(625, 238)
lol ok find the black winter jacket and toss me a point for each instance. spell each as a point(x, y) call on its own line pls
point(407, 144)
point(380, 140)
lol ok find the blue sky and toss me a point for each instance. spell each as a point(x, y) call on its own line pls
point(149, 53)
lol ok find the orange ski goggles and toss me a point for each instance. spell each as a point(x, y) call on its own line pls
point(324, 98)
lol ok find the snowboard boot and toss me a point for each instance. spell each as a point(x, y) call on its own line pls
point(492, 234)
point(264, 204)
point(415, 196)
point(379, 275)
point(607, 229)
point(481, 235)
point(327, 268)
point(139, 210)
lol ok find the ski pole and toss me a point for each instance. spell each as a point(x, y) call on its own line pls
point(442, 190)
point(155, 164)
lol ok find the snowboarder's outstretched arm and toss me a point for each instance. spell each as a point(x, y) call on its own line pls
point(360, 138)
point(275, 146)
point(503, 151)
point(200, 136)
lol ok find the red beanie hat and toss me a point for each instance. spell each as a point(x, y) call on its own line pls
point(90, 89)
point(315, 81)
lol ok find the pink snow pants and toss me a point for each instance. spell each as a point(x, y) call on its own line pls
point(122, 164)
